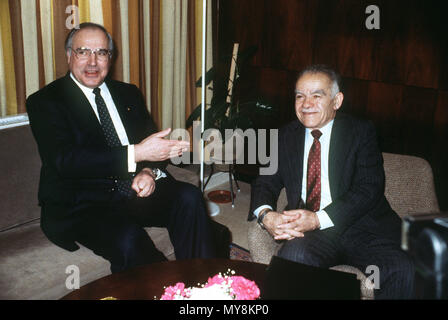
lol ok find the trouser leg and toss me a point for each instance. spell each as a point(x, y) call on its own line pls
point(383, 261)
point(317, 248)
point(179, 207)
point(118, 239)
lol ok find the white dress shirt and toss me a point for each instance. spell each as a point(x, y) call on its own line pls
point(324, 219)
point(118, 124)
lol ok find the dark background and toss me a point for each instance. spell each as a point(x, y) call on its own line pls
point(396, 76)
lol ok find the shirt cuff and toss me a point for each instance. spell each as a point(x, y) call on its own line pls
point(132, 165)
point(257, 211)
point(324, 220)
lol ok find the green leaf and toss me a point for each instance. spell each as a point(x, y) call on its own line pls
point(247, 53)
point(209, 75)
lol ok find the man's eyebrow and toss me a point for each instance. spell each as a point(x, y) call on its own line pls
point(319, 91)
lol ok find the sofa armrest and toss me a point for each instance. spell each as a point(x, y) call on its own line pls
point(261, 244)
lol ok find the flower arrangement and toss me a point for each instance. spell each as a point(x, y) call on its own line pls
point(219, 287)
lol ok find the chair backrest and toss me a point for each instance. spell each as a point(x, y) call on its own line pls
point(409, 185)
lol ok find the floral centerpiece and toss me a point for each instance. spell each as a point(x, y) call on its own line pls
point(219, 287)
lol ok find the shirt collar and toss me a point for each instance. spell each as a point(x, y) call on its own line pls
point(88, 91)
point(326, 129)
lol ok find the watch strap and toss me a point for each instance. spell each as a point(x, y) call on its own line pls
point(261, 216)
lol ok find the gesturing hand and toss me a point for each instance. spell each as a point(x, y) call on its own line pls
point(144, 183)
point(156, 148)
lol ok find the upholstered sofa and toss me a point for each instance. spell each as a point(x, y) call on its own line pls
point(31, 267)
point(409, 189)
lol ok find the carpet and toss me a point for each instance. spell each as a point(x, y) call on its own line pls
point(239, 253)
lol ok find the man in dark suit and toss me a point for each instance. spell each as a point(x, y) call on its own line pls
point(332, 170)
point(103, 174)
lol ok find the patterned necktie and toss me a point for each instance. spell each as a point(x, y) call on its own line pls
point(313, 174)
point(123, 186)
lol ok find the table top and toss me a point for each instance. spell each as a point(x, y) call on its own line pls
point(148, 282)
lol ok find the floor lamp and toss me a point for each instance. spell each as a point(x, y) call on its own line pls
point(212, 207)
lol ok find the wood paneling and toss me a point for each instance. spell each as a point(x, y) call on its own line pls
point(396, 76)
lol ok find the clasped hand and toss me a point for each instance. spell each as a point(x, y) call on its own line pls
point(290, 224)
point(156, 148)
point(144, 183)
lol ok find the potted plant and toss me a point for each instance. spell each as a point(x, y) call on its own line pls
point(228, 111)
point(225, 110)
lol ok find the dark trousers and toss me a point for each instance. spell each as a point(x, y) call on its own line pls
point(115, 231)
point(325, 248)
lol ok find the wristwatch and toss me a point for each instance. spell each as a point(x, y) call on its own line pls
point(261, 217)
point(157, 173)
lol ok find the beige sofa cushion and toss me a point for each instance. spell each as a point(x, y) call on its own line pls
point(34, 268)
point(20, 168)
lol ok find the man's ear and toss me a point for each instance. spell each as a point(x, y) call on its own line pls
point(68, 55)
point(338, 98)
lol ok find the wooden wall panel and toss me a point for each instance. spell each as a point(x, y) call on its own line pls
point(351, 51)
point(231, 15)
point(290, 50)
point(440, 151)
point(356, 93)
point(416, 114)
point(443, 67)
point(383, 108)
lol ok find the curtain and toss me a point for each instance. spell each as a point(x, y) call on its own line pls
point(158, 43)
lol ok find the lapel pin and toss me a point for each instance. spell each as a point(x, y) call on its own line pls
point(129, 109)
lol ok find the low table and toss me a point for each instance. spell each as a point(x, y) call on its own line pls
point(148, 282)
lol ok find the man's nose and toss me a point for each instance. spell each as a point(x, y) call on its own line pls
point(307, 103)
point(92, 59)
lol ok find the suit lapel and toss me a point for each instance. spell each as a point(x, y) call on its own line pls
point(76, 101)
point(123, 108)
point(294, 149)
point(341, 140)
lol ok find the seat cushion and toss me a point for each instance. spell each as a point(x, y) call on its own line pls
point(34, 268)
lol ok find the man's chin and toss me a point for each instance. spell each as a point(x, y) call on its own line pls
point(308, 122)
point(92, 82)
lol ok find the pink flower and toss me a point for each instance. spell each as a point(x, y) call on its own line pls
point(233, 287)
point(172, 291)
point(217, 279)
point(244, 289)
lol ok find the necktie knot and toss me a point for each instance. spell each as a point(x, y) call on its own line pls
point(316, 134)
point(97, 91)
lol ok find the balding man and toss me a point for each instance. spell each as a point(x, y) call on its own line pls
point(102, 177)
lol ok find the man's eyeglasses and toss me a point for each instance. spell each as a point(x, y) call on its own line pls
point(85, 53)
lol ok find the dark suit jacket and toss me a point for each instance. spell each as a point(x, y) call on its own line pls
point(79, 169)
point(356, 176)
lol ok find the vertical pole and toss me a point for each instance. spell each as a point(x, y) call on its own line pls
point(203, 102)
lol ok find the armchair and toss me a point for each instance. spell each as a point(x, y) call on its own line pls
point(409, 189)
